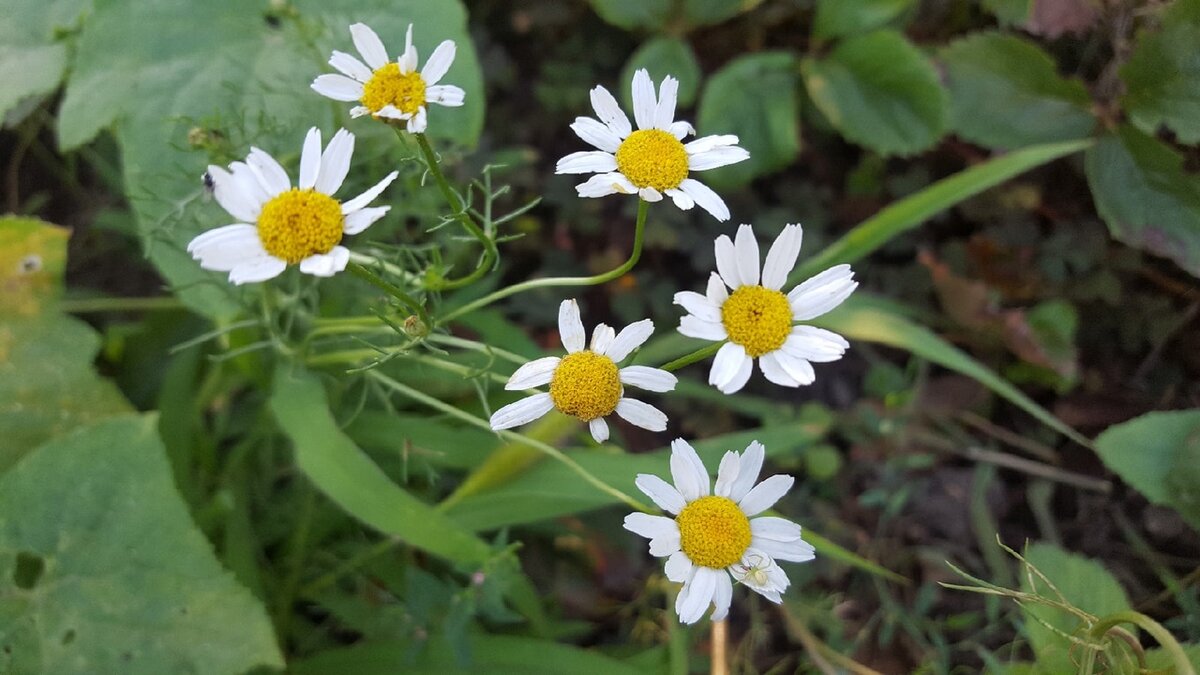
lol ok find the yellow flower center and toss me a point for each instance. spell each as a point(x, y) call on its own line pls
point(653, 158)
point(586, 384)
point(759, 319)
point(713, 531)
point(388, 86)
point(299, 223)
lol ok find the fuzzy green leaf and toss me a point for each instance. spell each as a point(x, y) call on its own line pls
point(1158, 454)
point(1162, 77)
point(33, 50)
point(841, 18)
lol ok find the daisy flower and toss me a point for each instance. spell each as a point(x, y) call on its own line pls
point(280, 225)
point(714, 536)
point(757, 318)
point(586, 383)
point(390, 90)
point(653, 160)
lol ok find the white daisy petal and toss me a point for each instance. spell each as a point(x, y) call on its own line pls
point(536, 373)
point(605, 184)
point(358, 111)
point(698, 306)
point(746, 248)
point(727, 473)
point(438, 63)
point(749, 465)
point(740, 379)
point(681, 130)
point(703, 585)
point(570, 327)
point(700, 329)
point(408, 60)
point(630, 338)
point(681, 199)
point(599, 429)
point(678, 567)
point(391, 112)
point(798, 369)
point(609, 112)
point(682, 596)
point(369, 46)
point(419, 122)
point(257, 269)
point(233, 197)
point(641, 414)
point(369, 194)
point(602, 338)
point(791, 551)
point(449, 95)
point(727, 262)
point(586, 161)
point(310, 159)
point(337, 87)
point(761, 574)
point(666, 545)
point(702, 145)
point(326, 264)
point(727, 364)
point(350, 66)
point(722, 597)
point(650, 379)
point(688, 472)
point(717, 157)
point(822, 293)
point(764, 495)
point(522, 412)
point(335, 164)
point(269, 172)
point(596, 133)
point(782, 257)
point(775, 529)
point(660, 492)
point(225, 248)
point(648, 526)
point(705, 198)
point(644, 101)
point(664, 111)
point(775, 372)
point(815, 344)
point(649, 194)
point(363, 218)
point(716, 292)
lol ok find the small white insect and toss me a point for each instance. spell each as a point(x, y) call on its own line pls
point(754, 574)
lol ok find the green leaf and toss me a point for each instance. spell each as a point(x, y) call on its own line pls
point(1158, 454)
point(1009, 12)
point(103, 571)
point(348, 477)
point(33, 55)
point(633, 14)
point(663, 56)
point(1162, 76)
point(859, 318)
point(880, 91)
point(1146, 197)
point(705, 12)
point(157, 71)
point(916, 208)
point(840, 18)
point(1005, 92)
point(754, 97)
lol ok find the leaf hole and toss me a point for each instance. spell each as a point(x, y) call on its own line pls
point(28, 571)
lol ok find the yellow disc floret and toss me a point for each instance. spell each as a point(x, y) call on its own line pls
point(759, 319)
point(388, 86)
point(586, 384)
point(299, 223)
point(713, 531)
point(653, 158)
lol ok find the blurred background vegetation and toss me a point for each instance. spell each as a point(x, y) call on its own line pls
point(1014, 181)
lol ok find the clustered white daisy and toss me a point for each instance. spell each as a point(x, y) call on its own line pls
point(280, 225)
point(586, 383)
point(758, 319)
point(713, 535)
point(390, 90)
point(653, 160)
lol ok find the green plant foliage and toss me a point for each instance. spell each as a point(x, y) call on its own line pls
point(33, 57)
point(47, 383)
point(1158, 454)
point(102, 570)
point(1006, 93)
point(1009, 12)
point(841, 18)
point(1162, 77)
point(347, 476)
point(705, 12)
point(158, 71)
point(1145, 196)
point(633, 14)
point(663, 56)
point(754, 97)
point(880, 91)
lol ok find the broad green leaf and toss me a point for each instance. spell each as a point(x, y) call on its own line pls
point(633, 14)
point(1162, 76)
point(1160, 659)
point(33, 257)
point(916, 208)
point(1145, 196)
point(348, 477)
point(840, 18)
point(704, 12)
point(663, 56)
point(103, 571)
point(861, 319)
point(880, 91)
point(754, 97)
point(1006, 93)
point(1158, 454)
point(1009, 12)
point(33, 50)
point(156, 71)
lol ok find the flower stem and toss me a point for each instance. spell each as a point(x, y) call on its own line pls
point(688, 359)
point(720, 638)
point(1183, 666)
point(460, 212)
point(391, 289)
point(634, 256)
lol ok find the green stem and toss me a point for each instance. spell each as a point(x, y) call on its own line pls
point(545, 448)
point(460, 212)
point(638, 236)
point(689, 359)
point(84, 305)
point(1167, 641)
point(391, 289)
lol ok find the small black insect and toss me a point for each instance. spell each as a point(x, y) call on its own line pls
point(209, 184)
